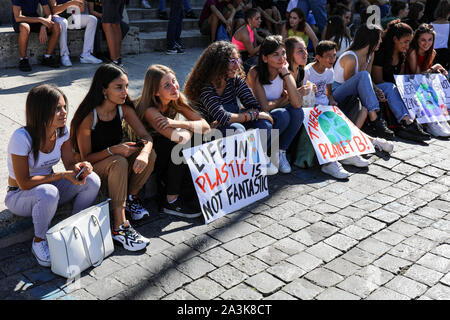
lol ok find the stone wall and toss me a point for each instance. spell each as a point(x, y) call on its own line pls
point(9, 47)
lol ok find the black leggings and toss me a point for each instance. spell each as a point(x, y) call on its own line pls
point(176, 178)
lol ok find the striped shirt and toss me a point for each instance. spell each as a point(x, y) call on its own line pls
point(211, 105)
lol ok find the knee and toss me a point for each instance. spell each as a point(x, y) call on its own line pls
point(364, 74)
point(297, 115)
point(57, 28)
point(93, 182)
point(24, 28)
point(48, 193)
point(119, 165)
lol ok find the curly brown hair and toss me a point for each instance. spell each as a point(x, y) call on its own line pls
point(210, 68)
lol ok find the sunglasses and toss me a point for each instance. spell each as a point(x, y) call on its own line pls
point(234, 62)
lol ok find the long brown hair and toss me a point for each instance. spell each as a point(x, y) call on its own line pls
point(104, 75)
point(414, 45)
point(148, 97)
point(301, 23)
point(210, 68)
point(42, 102)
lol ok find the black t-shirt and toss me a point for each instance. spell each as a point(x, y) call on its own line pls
point(383, 60)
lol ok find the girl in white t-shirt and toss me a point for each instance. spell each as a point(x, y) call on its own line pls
point(34, 189)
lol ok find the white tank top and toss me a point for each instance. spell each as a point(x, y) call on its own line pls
point(275, 89)
point(339, 71)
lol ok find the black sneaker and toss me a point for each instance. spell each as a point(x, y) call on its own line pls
point(190, 14)
point(413, 132)
point(163, 15)
point(129, 238)
point(179, 208)
point(24, 65)
point(51, 62)
point(378, 128)
point(175, 50)
point(135, 208)
point(179, 45)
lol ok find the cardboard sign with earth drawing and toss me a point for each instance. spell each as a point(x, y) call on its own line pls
point(426, 96)
point(333, 136)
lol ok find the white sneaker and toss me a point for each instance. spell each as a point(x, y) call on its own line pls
point(444, 125)
point(270, 169)
point(145, 4)
point(335, 169)
point(65, 61)
point(383, 145)
point(284, 165)
point(356, 161)
point(89, 58)
point(41, 253)
point(436, 130)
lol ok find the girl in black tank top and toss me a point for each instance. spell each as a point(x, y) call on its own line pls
point(96, 133)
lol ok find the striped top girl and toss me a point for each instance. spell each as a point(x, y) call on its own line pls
point(211, 104)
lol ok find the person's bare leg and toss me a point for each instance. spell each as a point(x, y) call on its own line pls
point(119, 217)
point(213, 21)
point(110, 40)
point(361, 118)
point(54, 38)
point(24, 34)
point(118, 39)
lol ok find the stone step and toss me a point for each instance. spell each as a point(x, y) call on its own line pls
point(152, 25)
point(141, 13)
point(154, 3)
point(9, 47)
point(156, 41)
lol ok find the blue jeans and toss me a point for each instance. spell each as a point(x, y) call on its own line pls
point(288, 120)
point(175, 23)
point(359, 85)
point(319, 10)
point(394, 100)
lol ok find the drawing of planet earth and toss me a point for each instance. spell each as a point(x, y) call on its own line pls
point(334, 127)
point(429, 100)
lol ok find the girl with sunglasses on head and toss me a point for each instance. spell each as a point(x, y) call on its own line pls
point(213, 87)
point(421, 53)
point(96, 134)
point(160, 107)
point(275, 89)
point(420, 60)
point(34, 189)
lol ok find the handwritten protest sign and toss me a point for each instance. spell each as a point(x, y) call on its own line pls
point(227, 173)
point(333, 135)
point(426, 96)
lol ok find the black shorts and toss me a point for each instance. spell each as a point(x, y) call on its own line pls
point(34, 27)
point(112, 11)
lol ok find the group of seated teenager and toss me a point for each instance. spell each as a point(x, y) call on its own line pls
point(61, 15)
point(217, 94)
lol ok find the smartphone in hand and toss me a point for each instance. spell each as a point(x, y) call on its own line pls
point(78, 176)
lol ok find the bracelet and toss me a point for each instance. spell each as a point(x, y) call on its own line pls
point(284, 75)
point(109, 151)
point(245, 117)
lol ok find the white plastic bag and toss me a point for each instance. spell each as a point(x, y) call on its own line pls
point(310, 99)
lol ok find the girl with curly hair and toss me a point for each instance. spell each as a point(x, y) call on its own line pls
point(213, 86)
point(159, 107)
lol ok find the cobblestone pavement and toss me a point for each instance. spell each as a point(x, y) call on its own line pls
point(383, 234)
